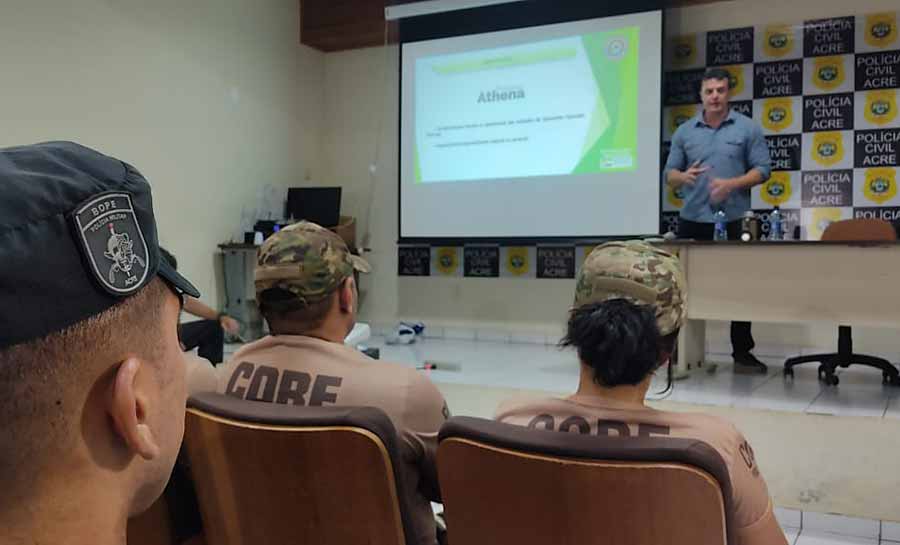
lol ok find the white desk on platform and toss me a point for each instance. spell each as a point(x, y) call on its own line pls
point(790, 282)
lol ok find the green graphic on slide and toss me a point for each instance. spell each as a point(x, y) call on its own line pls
point(416, 166)
point(508, 61)
point(612, 137)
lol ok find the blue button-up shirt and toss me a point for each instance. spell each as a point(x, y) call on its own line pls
point(729, 151)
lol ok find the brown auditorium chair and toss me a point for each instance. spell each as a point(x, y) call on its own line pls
point(510, 485)
point(271, 473)
point(857, 230)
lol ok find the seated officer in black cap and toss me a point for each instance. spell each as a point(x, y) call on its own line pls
point(92, 378)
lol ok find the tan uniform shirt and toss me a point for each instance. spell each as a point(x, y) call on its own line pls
point(309, 371)
point(754, 515)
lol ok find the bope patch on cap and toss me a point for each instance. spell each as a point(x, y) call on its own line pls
point(112, 242)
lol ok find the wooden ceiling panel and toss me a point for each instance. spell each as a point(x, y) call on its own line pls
point(336, 25)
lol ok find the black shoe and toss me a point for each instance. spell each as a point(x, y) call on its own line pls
point(746, 363)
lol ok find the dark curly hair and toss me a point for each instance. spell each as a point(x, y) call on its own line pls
point(620, 341)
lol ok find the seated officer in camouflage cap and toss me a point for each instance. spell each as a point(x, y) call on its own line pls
point(629, 306)
point(306, 291)
point(92, 378)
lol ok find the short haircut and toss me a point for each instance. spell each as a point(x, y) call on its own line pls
point(619, 340)
point(282, 310)
point(45, 382)
point(716, 73)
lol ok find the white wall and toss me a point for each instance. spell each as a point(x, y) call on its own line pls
point(209, 99)
point(361, 113)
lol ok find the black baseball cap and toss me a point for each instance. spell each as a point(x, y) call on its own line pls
point(77, 236)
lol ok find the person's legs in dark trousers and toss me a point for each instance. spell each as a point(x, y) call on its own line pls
point(205, 335)
point(694, 230)
point(741, 332)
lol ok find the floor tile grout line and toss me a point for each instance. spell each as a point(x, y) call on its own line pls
point(813, 402)
point(763, 383)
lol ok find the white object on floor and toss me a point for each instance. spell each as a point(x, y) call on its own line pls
point(404, 334)
point(360, 334)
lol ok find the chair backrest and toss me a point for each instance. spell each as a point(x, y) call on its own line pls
point(270, 473)
point(505, 484)
point(859, 230)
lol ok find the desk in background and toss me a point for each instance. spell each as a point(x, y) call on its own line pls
point(787, 282)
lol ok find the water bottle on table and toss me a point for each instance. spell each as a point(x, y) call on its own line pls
point(720, 231)
point(776, 225)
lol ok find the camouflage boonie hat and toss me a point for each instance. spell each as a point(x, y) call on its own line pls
point(306, 260)
point(639, 272)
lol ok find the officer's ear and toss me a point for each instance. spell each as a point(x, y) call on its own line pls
point(347, 295)
point(128, 408)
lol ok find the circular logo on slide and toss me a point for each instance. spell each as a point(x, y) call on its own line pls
point(616, 48)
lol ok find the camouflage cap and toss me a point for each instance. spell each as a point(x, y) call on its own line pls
point(306, 260)
point(639, 272)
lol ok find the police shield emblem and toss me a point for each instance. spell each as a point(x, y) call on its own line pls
point(447, 260)
point(881, 107)
point(675, 196)
point(778, 40)
point(517, 261)
point(735, 80)
point(881, 185)
point(684, 50)
point(679, 114)
point(114, 247)
point(777, 189)
point(827, 148)
point(828, 73)
point(881, 29)
point(778, 114)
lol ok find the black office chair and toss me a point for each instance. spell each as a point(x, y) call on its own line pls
point(857, 230)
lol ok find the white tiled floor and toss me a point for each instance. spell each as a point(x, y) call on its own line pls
point(537, 366)
point(544, 367)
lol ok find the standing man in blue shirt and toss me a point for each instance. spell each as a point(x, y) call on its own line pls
point(716, 157)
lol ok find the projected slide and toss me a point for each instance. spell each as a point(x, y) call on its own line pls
point(548, 108)
point(535, 132)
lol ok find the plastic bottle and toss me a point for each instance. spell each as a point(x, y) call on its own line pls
point(749, 230)
point(720, 232)
point(776, 225)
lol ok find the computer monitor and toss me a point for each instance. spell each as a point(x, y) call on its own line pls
point(321, 205)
